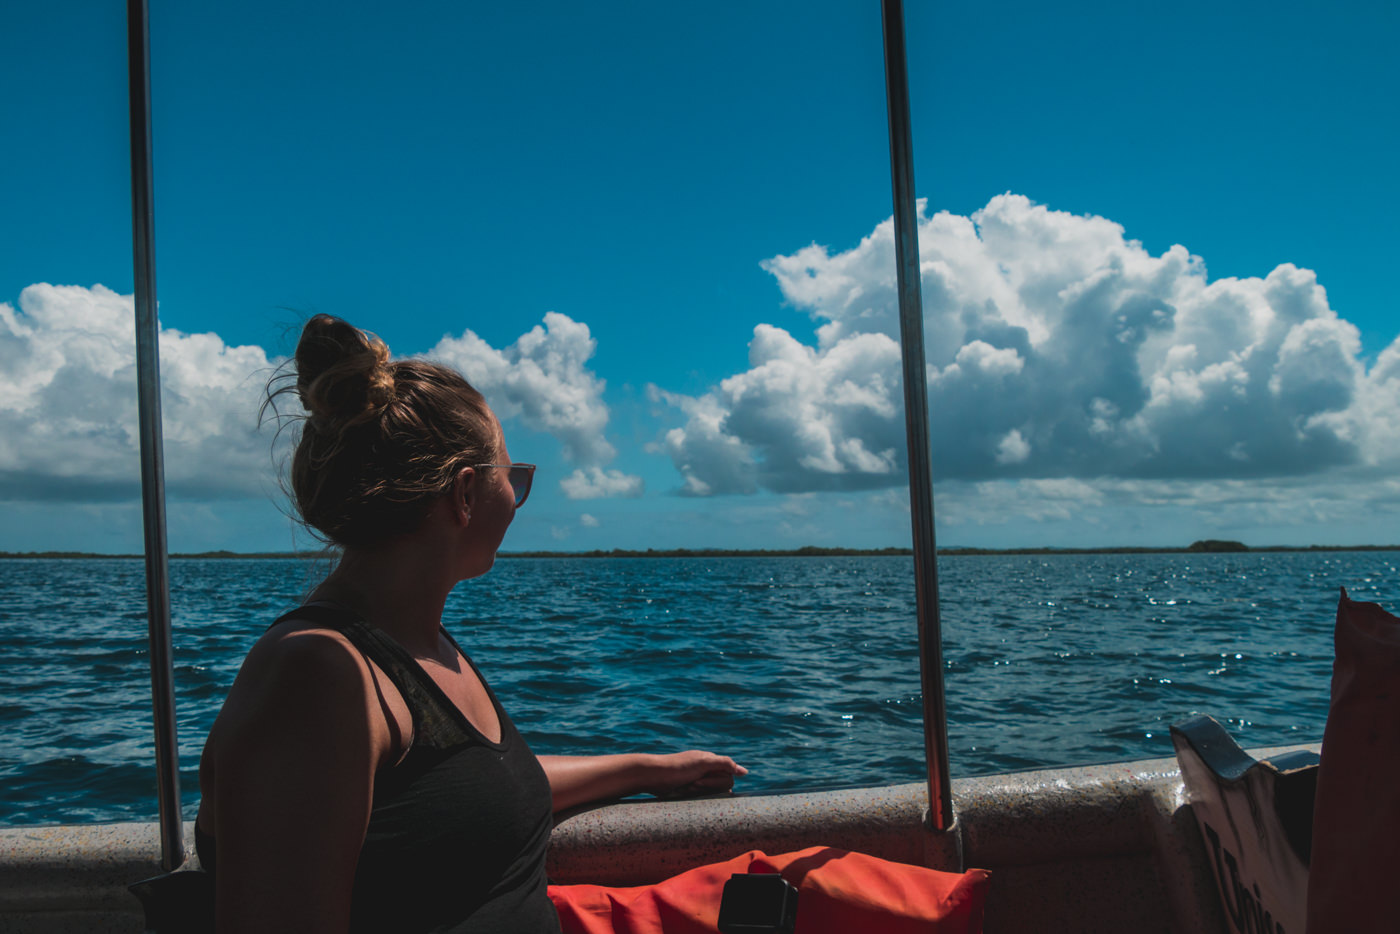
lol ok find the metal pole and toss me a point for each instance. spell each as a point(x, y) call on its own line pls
point(172, 846)
point(911, 331)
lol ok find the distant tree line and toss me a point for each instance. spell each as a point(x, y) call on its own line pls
point(1204, 546)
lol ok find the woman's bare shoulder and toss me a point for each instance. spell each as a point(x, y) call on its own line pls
point(298, 678)
point(296, 657)
point(297, 643)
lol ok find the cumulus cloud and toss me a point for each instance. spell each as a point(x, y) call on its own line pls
point(587, 521)
point(68, 410)
point(1057, 348)
point(1373, 422)
point(798, 419)
point(597, 483)
point(544, 381)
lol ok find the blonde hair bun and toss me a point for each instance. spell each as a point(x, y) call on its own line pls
point(382, 439)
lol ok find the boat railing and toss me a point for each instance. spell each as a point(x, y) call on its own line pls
point(152, 449)
point(1109, 847)
point(911, 334)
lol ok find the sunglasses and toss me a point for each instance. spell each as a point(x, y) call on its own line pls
point(521, 478)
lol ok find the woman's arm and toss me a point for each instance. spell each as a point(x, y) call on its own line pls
point(575, 780)
point(292, 779)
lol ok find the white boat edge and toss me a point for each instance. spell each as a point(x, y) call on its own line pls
point(1109, 847)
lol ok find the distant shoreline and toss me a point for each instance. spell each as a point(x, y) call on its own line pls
point(811, 551)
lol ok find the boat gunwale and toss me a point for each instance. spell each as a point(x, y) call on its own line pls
point(1049, 837)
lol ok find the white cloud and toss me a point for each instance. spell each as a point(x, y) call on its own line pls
point(597, 483)
point(587, 521)
point(1057, 348)
point(68, 409)
point(68, 422)
point(704, 449)
point(1013, 448)
point(543, 380)
point(1374, 421)
point(798, 419)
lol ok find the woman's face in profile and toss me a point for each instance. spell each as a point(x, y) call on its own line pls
point(493, 509)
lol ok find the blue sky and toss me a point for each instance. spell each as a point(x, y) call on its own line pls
point(653, 178)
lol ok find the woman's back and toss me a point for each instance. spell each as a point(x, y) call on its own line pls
point(459, 824)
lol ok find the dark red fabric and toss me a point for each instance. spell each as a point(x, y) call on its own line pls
point(1356, 819)
point(839, 893)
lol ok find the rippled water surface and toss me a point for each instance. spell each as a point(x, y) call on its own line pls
point(804, 669)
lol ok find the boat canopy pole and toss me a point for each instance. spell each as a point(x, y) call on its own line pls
point(172, 846)
point(911, 332)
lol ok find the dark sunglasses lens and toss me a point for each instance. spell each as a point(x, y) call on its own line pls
point(520, 478)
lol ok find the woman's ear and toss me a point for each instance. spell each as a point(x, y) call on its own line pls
point(463, 494)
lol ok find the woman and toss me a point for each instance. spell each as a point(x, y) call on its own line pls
point(361, 775)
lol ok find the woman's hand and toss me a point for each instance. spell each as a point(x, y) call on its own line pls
point(684, 774)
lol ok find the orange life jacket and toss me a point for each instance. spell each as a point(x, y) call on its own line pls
point(838, 893)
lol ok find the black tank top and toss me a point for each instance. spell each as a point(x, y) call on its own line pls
point(459, 827)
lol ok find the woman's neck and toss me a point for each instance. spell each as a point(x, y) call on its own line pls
point(394, 589)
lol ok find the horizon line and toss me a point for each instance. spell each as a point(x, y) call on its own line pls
point(1206, 546)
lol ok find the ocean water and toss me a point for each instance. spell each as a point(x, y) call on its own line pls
point(804, 669)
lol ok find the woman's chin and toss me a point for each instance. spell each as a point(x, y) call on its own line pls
point(479, 568)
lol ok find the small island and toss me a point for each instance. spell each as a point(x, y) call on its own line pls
point(1216, 545)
